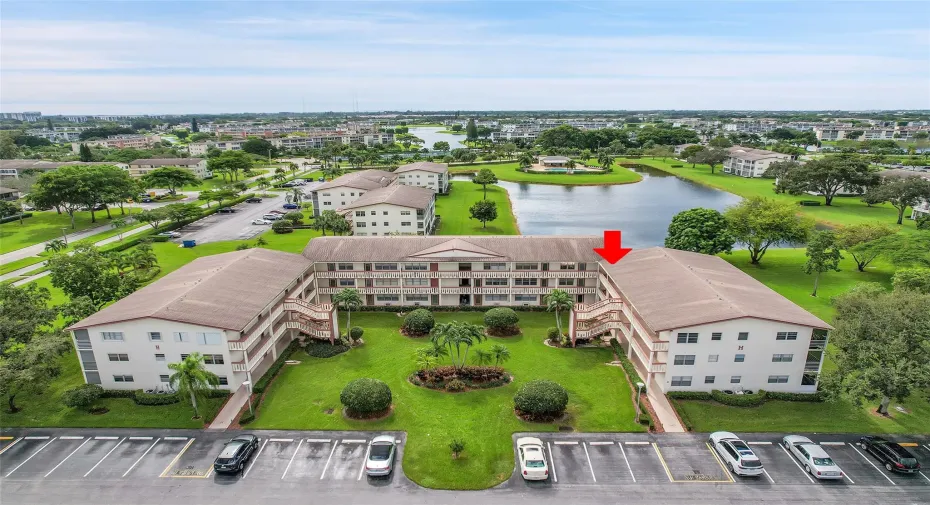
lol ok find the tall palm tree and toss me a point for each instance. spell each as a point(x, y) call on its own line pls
point(332, 171)
point(526, 161)
point(262, 183)
point(293, 168)
point(604, 160)
point(500, 354)
point(348, 299)
point(297, 195)
point(558, 300)
point(454, 335)
point(191, 379)
point(482, 357)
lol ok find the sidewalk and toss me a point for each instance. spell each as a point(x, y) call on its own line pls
point(231, 409)
point(664, 410)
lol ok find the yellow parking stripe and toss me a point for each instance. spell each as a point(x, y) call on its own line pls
point(722, 466)
point(662, 460)
point(6, 438)
point(909, 444)
point(176, 458)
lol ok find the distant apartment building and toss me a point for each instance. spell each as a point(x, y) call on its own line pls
point(392, 210)
point(832, 133)
point(139, 168)
point(749, 162)
point(59, 133)
point(9, 194)
point(120, 142)
point(434, 176)
point(28, 116)
point(15, 168)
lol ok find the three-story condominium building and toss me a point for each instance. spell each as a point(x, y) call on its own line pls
point(345, 189)
point(394, 210)
point(434, 176)
point(687, 321)
point(139, 168)
point(749, 162)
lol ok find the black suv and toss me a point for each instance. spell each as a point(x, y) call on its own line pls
point(235, 454)
point(892, 455)
point(254, 199)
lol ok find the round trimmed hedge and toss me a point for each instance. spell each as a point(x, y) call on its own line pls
point(501, 320)
point(419, 322)
point(541, 398)
point(356, 332)
point(82, 396)
point(366, 396)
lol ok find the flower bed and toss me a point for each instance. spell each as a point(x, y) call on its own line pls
point(449, 378)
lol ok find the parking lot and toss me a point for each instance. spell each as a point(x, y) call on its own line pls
point(627, 459)
point(330, 458)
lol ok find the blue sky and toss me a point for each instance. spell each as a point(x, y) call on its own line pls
point(210, 56)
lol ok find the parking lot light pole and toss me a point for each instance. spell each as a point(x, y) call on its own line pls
point(248, 385)
point(639, 392)
point(64, 235)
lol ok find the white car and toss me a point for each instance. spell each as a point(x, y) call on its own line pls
point(532, 459)
point(271, 217)
point(260, 221)
point(381, 454)
point(736, 454)
point(816, 461)
point(170, 234)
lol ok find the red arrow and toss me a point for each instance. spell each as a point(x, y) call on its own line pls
point(612, 250)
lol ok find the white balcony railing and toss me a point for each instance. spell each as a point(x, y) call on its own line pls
point(257, 332)
point(455, 274)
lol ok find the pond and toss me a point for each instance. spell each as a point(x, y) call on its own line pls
point(430, 136)
point(642, 211)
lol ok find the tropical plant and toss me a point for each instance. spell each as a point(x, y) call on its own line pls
point(119, 224)
point(526, 161)
point(482, 357)
point(500, 353)
point(556, 301)
point(192, 380)
point(455, 335)
point(348, 298)
point(457, 446)
point(56, 245)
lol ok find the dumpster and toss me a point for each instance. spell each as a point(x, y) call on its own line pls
point(189, 243)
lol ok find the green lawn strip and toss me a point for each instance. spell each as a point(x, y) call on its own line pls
point(218, 181)
point(846, 210)
point(20, 263)
point(509, 171)
point(453, 209)
point(44, 226)
point(450, 132)
point(599, 399)
point(46, 410)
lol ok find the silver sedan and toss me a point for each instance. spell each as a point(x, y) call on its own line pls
point(812, 457)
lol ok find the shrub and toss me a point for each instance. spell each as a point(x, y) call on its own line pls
point(677, 166)
point(10, 219)
point(455, 385)
point(616, 347)
point(356, 332)
point(365, 396)
point(82, 396)
point(295, 217)
point(743, 400)
point(689, 395)
point(457, 446)
point(541, 399)
point(419, 322)
point(150, 399)
point(282, 226)
point(502, 321)
point(325, 349)
point(117, 393)
point(553, 334)
point(809, 203)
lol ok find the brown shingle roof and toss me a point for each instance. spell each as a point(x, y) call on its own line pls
point(364, 179)
point(6, 191)
point(406, 196)
point(673, 289)
point(221, 291)
point(167, 162)
point(749, 153)
point(50, 165)
point(508, 247)
point(426, 166)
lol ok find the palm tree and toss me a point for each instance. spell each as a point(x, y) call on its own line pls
point(297, 195)
point(191, 379)
point(482, 357)
point(500, 353)
point(332, 171)
point(454, 335)
point(56, 245)
point(262, 183)
point(558, 300)
point(348, 299)
point(293, 168)
point(426, 361)
point(604, 160)
point(526, 161)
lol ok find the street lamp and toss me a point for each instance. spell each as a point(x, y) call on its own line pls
point(248, 385)
point(639, 392)
point(64, 235)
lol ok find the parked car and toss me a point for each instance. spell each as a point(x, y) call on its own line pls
point(289, 184)
point(170, 234)
point(815, 460)
point(254, 199)
point(532, 459)
point(321, 179)
point(260, 221)
point(895, 457)
point(271, 217)
point(235, 454)
point(291, 206)
point(146, 199)
point(380, 461)
point(226, 210)
point(736, 454)
point(100, 206)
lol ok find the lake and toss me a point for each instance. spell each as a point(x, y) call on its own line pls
point(642, 211)
point(430, 136)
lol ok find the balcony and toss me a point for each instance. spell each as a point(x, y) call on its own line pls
point(456, 274)
point(812, 366)
point(257, 331)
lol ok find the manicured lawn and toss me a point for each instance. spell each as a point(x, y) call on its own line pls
point(450, 132)
point(20, 263)
point(509, 172)
point(453, 208)
point(47, 409)
point(599, 399)
point(44, 226)
point(844, 211)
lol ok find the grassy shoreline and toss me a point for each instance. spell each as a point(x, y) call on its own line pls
point(507, 171)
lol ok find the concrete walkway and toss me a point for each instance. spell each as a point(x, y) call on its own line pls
point(228, 415)
point(665, 412)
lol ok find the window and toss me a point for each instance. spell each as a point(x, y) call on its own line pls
point(782, 358)
point(388, 298)
point(527, 266)
point(122, 378)
point(739, 358)
point(524, 298)
point(387, 223)
point(778, 379)
point(687, 338)
point(346, 266)
point(327, 203)
point(360, 213)
point(385, 266)
point(405, 213)
point(373, 213)
point(735, 379)
point(155, 336)
point(346, 282)
point(213, 359)
point(743, 335)
point(164, 378)
point(786, 335)
point(223, 380)
point(361, 224)
point(118, 357)
point(494, 281)
point(566, 282)
point(712, 358)
point(567, 266)
point(181, 337)
point(384, 213)
point(415, 266)
point(524, 282)
point(417, 282)
point(209, 338)
point(159, 357)
point(113, 336)
point(374, 223)
point(417, 298)
point(495, 266)
point(387, 282)
point(716, 336)
point(325, 194)
point(495, 298)
point(402, 223)
point(681, 381)
point(684, 359)
point(709, 379)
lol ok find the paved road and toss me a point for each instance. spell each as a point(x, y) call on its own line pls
point(96, 466)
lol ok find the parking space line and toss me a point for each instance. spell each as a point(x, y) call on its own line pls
point(176, 458)
point(867, 460)
point(142, 456)
point(600, 443)
point(6, 438)
point(36, 438)
point(555, 477)
point(565, 442)
point(636, 443)
point(140, 438)
point(174, 438)
point(288, 467)
point(797, 464)
point(257, 454)
point(766, 472)
point(66, 457)
point(71, 438)
point(364, 462)
point(588, 456)
point(662, 460)
point(106, 438)
point(31, 455)
point(630, 468)
point(105, 457)
point(319, 440)
point(280, 440)
point(759, 443)
point(11, 445)
point(354, 441)
point(724, 467)
point(909, 444)
point(832, 443)
point(328, 460)
point(924, 476)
